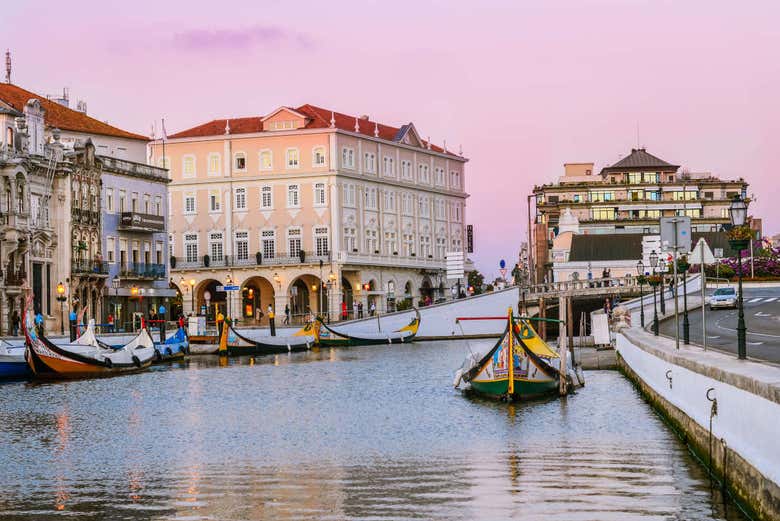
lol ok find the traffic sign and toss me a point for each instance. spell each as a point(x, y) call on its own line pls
point(676, 234)
point(228, 288)
point(502, 264)
point(701, 253)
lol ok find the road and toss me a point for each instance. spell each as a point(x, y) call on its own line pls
point(762, 317)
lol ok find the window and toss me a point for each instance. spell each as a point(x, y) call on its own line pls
point(318, 157)
point(134, 202)
point(425, 245)
point(425, 207)
point(214, 201)
point(158, 253)
point(147, 204)
point(406, 204)
point(239, 161)
point(440, 176)
point(687, 195)
point(216, 247)
point(390, 201)
point(266, 160)
point(293, 158)
point(188, 166)
point(371, 199)
point(456, 212)
point(319, 194)
point(724, 213)
point(347, 157)
point(441, 245)
point(349, 195)
point(158, 205)
point(241, 198)
point(441, 212)
point(294, 242)
point(408, 244)
point(388, 166)
point(123, 251)
point(651, 177)
point(282, 125)
point(191, 247)
point(406, 169)
point(602, 214)
point(391, 245)
point(457, 244)
point(423, 173)
point(189, 203)
point(692, 212)
point(215, 162)
point(268, 243)
point(350, 242)
point(454, 179)
point(293, 200)
point(321, 241)
point(110, 200)
point(110, 246)
point(369, 162)
point(600, 196)
point(371, 241)
point(242, 246)
point(266, 198)
point(636, 195)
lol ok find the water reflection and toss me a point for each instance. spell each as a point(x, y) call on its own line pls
point(371, 433)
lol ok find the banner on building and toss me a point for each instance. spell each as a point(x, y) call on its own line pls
point(470, 238)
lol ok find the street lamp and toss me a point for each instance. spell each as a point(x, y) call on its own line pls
point(228, 282)
point(683, 265)
point(115, 284)
point(738, 215)
point(331, 287)
point(61, 298)
point(192, 296)
point(653, 264)
point(640, 270)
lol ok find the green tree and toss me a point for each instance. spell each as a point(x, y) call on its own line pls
point(476, 279)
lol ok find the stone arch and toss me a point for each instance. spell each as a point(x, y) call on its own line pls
point(257, 293)
point(307, 294)
point(347, 295)
point(217, 299)
point(426, 289)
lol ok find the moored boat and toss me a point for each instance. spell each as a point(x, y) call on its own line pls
point(519, 366)
point(235, 343)
point(329, 337)
point(12, 362)
point(173, 348)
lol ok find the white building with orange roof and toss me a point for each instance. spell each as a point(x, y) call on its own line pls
point(309, 208)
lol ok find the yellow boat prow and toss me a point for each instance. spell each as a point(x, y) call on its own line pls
point(532, 341)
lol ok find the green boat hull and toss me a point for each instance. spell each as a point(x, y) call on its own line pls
point(523, 388)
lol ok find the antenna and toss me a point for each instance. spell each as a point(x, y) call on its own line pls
point(8, 65)
point(637, 135)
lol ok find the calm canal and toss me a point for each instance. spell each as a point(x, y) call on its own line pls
point(362, 433)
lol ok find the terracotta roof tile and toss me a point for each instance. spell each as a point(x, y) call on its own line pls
point(319, 118)
point(638, 159)
point(60, 116)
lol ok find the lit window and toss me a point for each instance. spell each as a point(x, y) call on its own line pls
point(293, 158)
point(188, 166)
point(266, 160)
point(214, 164)
point(239, 162)
point(318, 156)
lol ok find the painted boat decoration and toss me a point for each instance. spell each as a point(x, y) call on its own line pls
point(84, 357)
point(329, 337)
point(233, 343)
point(12, 362)
point(174, 347)
point(519, 366)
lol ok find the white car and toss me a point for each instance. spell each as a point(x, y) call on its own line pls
point(724, 298)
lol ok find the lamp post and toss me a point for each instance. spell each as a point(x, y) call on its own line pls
point(228, 282)
point(115, 284)
point(653, 264)
point(661, 270)
point(61, 298)
point(134, 294)
point(331, 288)
point(192, 296)
point(738, 215)
point(682, 265)
point(640, 270)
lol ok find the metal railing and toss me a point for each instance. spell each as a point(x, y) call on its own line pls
point(142, 270)
point(82, 266)
point(278, 259)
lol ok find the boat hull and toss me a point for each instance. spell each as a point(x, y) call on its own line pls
point(523, 389)
point(14, 369)
point(356, 341)
point(54, 366)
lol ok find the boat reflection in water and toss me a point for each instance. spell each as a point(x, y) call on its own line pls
point(347, 433)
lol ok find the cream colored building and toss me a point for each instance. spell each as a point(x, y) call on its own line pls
point(310, 208)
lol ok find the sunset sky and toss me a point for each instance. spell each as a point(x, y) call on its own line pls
point(523, 86)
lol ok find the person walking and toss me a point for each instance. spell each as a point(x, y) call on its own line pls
point(354, 309)
point(287, 314)
point(15, 323)
point(343, 311)
point(271, 319)
point(372, 309)
point(360, 310)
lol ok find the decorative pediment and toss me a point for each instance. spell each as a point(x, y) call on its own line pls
point(408, 135)
point(284, 118)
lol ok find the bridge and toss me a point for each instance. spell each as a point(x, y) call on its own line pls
point(582, 288)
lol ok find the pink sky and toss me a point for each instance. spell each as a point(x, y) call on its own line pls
point(523, 86)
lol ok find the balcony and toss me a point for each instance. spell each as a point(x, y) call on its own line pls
point(142, 222)
point(85, 216)
point(88, 267)
point(278, 259)
point(378, 259)
point(136, 270)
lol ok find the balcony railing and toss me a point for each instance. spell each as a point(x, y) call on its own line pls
point(88, 267)
point(142, 271)
point(14, 278)
point(278, 259)
point(142, 222)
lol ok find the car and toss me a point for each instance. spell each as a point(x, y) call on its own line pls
point(724, 298)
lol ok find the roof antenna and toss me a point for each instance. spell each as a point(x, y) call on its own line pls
point(638, 146)
point(8, 65)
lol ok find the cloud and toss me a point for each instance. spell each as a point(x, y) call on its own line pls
point(239, 39)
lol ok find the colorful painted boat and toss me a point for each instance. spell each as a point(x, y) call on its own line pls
point(174, 347)
point(233, 343)
point(84, 357)
point(329, 337)
point(519, 366)
point(12, 362)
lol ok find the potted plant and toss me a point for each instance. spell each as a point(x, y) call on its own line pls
point(376, 252)
point(259, 258)
point(682, 264)
point(739, 237)
point(354, 250)
point(641, 279)
point(395, 253)
point(654, 280)
point(206, 260)
point(173, 262)
point(302, 255)
point(413, 254)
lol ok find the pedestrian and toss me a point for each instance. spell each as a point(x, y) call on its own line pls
point(15, 322)
point(354, 309)
point(372, 309)
point(72, 317)
point(258, 314)
point(671, 287)
point(271, 321)
point(111, 322)
point(343, 311)
point(360, 310)
point(607, 308)
point(287, 314)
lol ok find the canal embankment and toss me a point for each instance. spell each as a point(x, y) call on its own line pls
point(726, 410)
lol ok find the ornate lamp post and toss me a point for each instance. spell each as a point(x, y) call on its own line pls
point(682, 267)
point(654, 284)
point(61, 298)
point(640, 270)
point(331, 287)
point(228, 282)
point(115, 284)
point(739, 236)
point(192, 296)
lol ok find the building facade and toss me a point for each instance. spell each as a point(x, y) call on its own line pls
point(310, 208)
point(629, 196)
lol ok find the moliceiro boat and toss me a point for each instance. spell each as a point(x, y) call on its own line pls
point(329, 337)
point(84, 357)
point(12, 362)
point(519, 366)
point(233, 343)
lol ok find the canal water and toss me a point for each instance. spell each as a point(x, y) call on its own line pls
point(363, 433)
